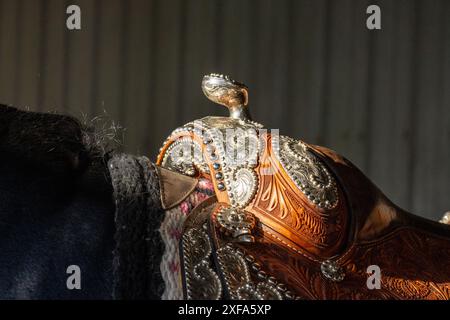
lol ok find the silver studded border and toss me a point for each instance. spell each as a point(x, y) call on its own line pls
point(225, 169)
point(228, 169)
point(213, 130)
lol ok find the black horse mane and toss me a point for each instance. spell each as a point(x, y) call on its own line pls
point(68, 197)
point(61, 144)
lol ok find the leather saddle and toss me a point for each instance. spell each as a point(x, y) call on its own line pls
point(290, 220)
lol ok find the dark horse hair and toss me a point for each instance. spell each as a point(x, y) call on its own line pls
point(63, 202)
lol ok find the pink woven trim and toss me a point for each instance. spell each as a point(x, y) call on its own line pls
point(171, 229)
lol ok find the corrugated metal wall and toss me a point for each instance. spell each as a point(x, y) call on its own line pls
point(381, 98)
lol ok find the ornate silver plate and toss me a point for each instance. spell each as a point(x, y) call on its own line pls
point(307, 171)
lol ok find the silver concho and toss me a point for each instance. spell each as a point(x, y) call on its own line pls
point(236, 223)
point(307, 171)
point(243, 187)
point(332, 271)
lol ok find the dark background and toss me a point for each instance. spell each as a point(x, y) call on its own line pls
point(381, 98)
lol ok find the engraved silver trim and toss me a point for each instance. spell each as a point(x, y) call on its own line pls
point(202, 282)
point(307, 171)
point(185, 156)
point(238, 280)
point(243, 186)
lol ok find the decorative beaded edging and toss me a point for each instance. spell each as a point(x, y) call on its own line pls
point(236, 176)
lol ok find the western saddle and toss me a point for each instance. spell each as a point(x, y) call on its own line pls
point(291, 220)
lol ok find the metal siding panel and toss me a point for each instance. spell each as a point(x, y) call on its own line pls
point(398, 142)
point(443, 136)
point(54, 56)
point(166, 48)
point(307, 51)
point(381, 120)
point(426, 156)
point(80, 62)
point(337, 132)
point(109, 62)
point(200, 58)
point(136, 107)
point(8, 46)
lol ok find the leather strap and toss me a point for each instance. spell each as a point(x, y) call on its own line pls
point(174, 187)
